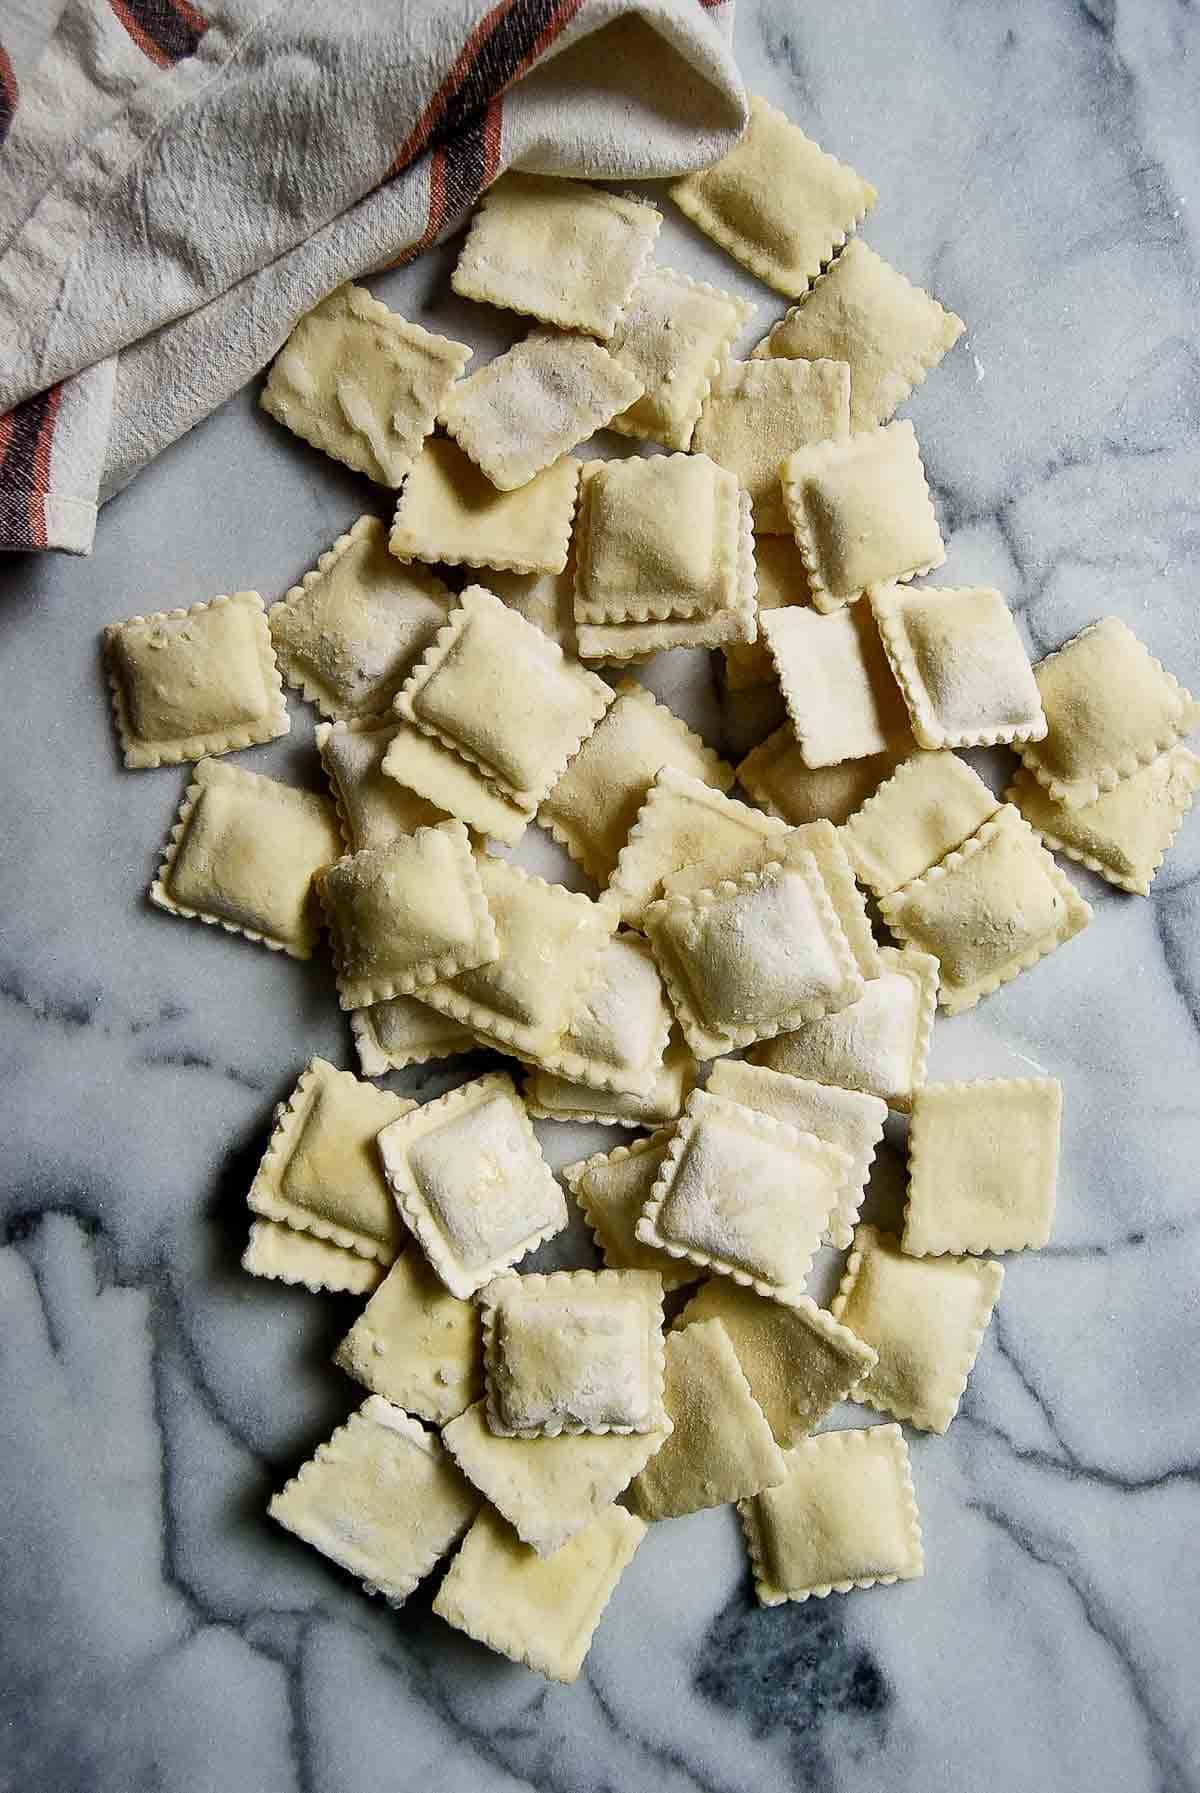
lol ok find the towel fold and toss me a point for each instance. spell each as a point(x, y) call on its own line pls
point(178, 187)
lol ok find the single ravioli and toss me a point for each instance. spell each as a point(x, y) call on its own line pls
point(470, 1179)
point(775, 774)
point(850, 1119)
point(759, 412)
point(1110, 709)
point(425, 768)
point(721, 1447)
point(744, 1194)
point(860, 512)
point(321, 1172)
point(782, 580)
point(864, 312)
point(658, 539)
point(278, 1252)
point(576, 1351)
point(404, 915)
point(530, 405)
point(846, 1517)
point(416, 1344)
point(556, 249)
point(617, 1033)
point(473, 690)
point(350, 633)
point(1125, 834)
point(960, 664)
point(983, 1165)
point(842, 700)
point(673, 335)
point(450, 511)
point(612, 1188)
point(402, 1031)
point(988, 911)
point(879, 1044)
point(244, 855)
point(362, 383)
point(682, 822)
point(373, 810)
point(553, 1098)
point(595, 803)
point(187, 684)
point(548, 1489)
point(924, 1317)
point(756, 956)
point(798, 1360)
point(382, 1498)
point(511, 1002)
point(932, 803)
point(538, 1611)
point(777, 202)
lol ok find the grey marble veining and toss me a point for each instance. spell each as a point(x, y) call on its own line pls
point(1037, 165)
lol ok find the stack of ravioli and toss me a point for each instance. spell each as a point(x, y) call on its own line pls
point(722, 993)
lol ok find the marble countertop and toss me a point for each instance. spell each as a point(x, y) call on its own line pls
point(1037, 165)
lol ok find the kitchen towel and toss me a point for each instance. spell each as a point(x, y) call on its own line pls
point(178, 185)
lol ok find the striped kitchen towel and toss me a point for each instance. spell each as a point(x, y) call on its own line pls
point(180, 182)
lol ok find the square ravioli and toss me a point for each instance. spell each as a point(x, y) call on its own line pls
point(362, 383)
point(403, 915)
point(721, 1447)
point(470, 1179)
point(321, 1172)
point(982, 1165)
point(530, 405)
point(350, 633)
point(864, 312)
point(511, 1003)
point(846, 1517)
point(402, 1031)
point(960, 664)
point(879, 1044)
point(744, 1194)
point(450, 511)
point(846, 1118)
point(187, 684)
point(382, 1498)
point(416, 1344)
point(930, 804)
point(612, 1188)
point(1110, 709)
point(755, 957)
point(552, 1098)
point(244, 854)
point(775, 775)
point(758, 412)
point(658, 539)
point(782, 580)
point(472, 693)
point(682, 821)
point(548, 1489)
point(576, 1351)
point(1125, 834)
point(542, 1612)
point(842, 700)
point(557, 250)
point(860, 512)
point(373, 810)
point(798, 1360)
point(924, 1317)
point(777, 203)
point(278, 1252)
point(425, 768)
point(673, 336)
point(618, 1030)
point(988, 911)
point(595, 803)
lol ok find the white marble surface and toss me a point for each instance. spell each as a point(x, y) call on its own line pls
point(1037, 167)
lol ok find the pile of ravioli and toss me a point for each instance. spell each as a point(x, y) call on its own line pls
point(529, 1427)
